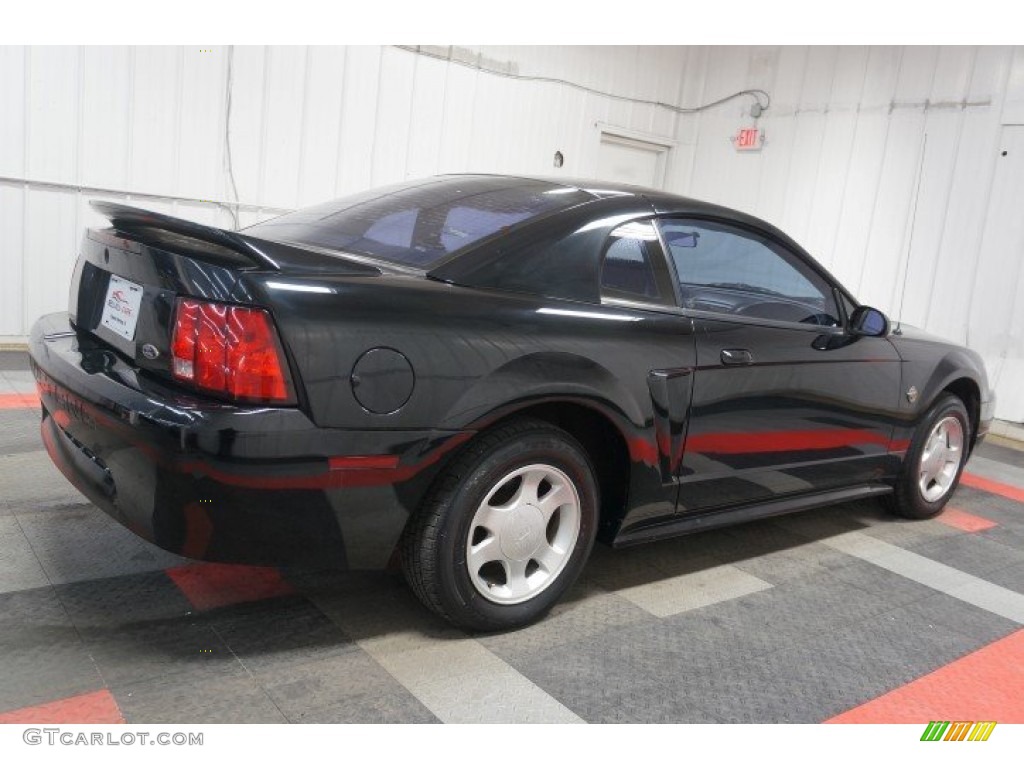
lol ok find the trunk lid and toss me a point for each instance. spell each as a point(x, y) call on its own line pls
point(128, 276)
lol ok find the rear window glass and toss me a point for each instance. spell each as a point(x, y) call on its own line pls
point(421, 223)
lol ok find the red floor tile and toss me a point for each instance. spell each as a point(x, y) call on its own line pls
point(211, 585)
point(964, 521)
point(95, 707)
point(984, 685)
point(26, 400)
point(992, 486)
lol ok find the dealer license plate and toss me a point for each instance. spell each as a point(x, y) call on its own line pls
point(121, 307)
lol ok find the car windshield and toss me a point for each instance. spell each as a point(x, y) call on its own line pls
point(420, 223)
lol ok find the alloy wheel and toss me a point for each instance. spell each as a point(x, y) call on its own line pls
point(523, 534)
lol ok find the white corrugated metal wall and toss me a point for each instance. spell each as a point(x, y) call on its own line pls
point(843, 144)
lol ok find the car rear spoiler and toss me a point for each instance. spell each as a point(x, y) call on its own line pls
point(263, 254)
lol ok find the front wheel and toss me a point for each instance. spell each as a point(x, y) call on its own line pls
point(932, 467)
point(505, 530)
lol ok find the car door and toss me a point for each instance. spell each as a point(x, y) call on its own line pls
point(657, 369)
point(785, 401)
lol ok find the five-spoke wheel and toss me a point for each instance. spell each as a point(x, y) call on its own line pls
point(523, 533)
point(506, 529)
point(932, 466)
point(940, 459)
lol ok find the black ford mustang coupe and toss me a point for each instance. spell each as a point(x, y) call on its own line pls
point(478, 376)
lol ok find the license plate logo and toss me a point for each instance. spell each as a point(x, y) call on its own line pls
point(121, 307)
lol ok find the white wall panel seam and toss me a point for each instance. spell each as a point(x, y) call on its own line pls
point(341, 120)
point(412, 117)
point(906, 255)
point(26, 141)
point(824, 129)
point(793, 133)
point(307, 69)
point(79, 151)
point(849, 163)
point(698, 122)
point(444, 111)
point(268, 62)
point(129, 149)
point(766, 127)
point(180, 112)
point(878, 183)
point(79, 110)
point(221, 139)
point(372, 150)
point(988, 204)
point(946, 218)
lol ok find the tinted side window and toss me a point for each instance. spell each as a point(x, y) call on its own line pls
point(627, 269)
point(727, 270)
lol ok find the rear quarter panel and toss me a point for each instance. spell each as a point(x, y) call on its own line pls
point(473, 352)
point(481, 355)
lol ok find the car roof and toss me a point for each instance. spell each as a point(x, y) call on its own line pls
point(608, 200)
point(664, 203)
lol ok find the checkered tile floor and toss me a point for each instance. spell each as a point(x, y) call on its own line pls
point(839, 613)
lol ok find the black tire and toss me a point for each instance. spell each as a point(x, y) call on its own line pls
point(433, 549)
point(908, 500)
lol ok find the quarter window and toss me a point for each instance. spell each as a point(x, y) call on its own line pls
point(724, 270)
point(627, 269)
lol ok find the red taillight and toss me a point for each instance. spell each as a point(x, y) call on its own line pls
point(229, 350)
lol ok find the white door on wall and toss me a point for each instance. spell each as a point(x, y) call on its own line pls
point(996, 328)
point(631, 161)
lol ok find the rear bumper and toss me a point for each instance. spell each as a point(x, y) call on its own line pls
point(219, 482)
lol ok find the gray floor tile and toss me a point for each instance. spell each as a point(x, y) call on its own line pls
point(1004, 536)
point(598, 682)
point(1002, 453)
point(19, 568)
point(79, 544)
point(20, 431)
point(964, 619)
point(1011, 577)
point(909, 533)
point(29, 481)
point(972, 554)
point(33, 608)
point(13, 360)
point(1010, 474)
point(373, 707)
point(39, 664)
point(131, 599)
point(998, 509)
point(19, 376)
point(129, 653)
point(883, 583)
point(677, 594)
point(282, 631)
point(350, 688)
point(588, 611)
point(191, 698)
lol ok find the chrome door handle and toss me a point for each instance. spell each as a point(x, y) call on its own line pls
point(737, 357)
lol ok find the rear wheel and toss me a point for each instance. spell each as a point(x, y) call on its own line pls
point(506, 529)
point(932, 467)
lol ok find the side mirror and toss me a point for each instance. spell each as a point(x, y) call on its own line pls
point(868, 321)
